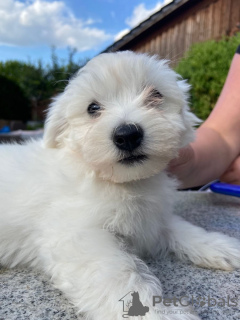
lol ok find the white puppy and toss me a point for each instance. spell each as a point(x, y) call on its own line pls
point(91, 198)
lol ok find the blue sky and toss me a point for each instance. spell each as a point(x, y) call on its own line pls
point(29, 28)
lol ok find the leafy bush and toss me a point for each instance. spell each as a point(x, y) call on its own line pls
point(205, 66)
point(13, 103)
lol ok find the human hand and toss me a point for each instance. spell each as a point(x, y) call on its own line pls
point(232, 174)
point(181, 167)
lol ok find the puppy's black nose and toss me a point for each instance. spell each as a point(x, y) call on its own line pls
point(128, 136)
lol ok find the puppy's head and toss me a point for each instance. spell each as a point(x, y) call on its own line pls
point(124, 114)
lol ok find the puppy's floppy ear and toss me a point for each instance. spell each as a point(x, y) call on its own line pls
point(55, 125)
point(189, 119)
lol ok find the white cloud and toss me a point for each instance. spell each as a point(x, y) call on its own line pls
point(39, 22)
point(121, 34)
point(140, 13)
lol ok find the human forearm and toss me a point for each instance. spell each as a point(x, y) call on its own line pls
point(217, 142)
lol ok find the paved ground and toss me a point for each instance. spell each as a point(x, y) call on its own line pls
point(27, 295)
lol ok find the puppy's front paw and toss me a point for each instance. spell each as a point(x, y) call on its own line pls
point(221, 252)
point(205, 249)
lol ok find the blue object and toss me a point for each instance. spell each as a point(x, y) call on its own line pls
point(226, 188)
point(5, 129)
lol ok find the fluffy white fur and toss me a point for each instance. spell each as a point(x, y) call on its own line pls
point(70, 208)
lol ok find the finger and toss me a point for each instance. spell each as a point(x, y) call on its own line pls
point(230, 177)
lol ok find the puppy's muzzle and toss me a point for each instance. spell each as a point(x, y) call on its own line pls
point(128, 137)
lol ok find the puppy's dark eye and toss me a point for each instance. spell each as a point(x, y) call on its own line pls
point(156, 94)
point(153, 98)
point(93, 109)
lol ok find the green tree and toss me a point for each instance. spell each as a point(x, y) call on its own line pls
point(59, 72)
point(39, 83)
point(32, 79)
